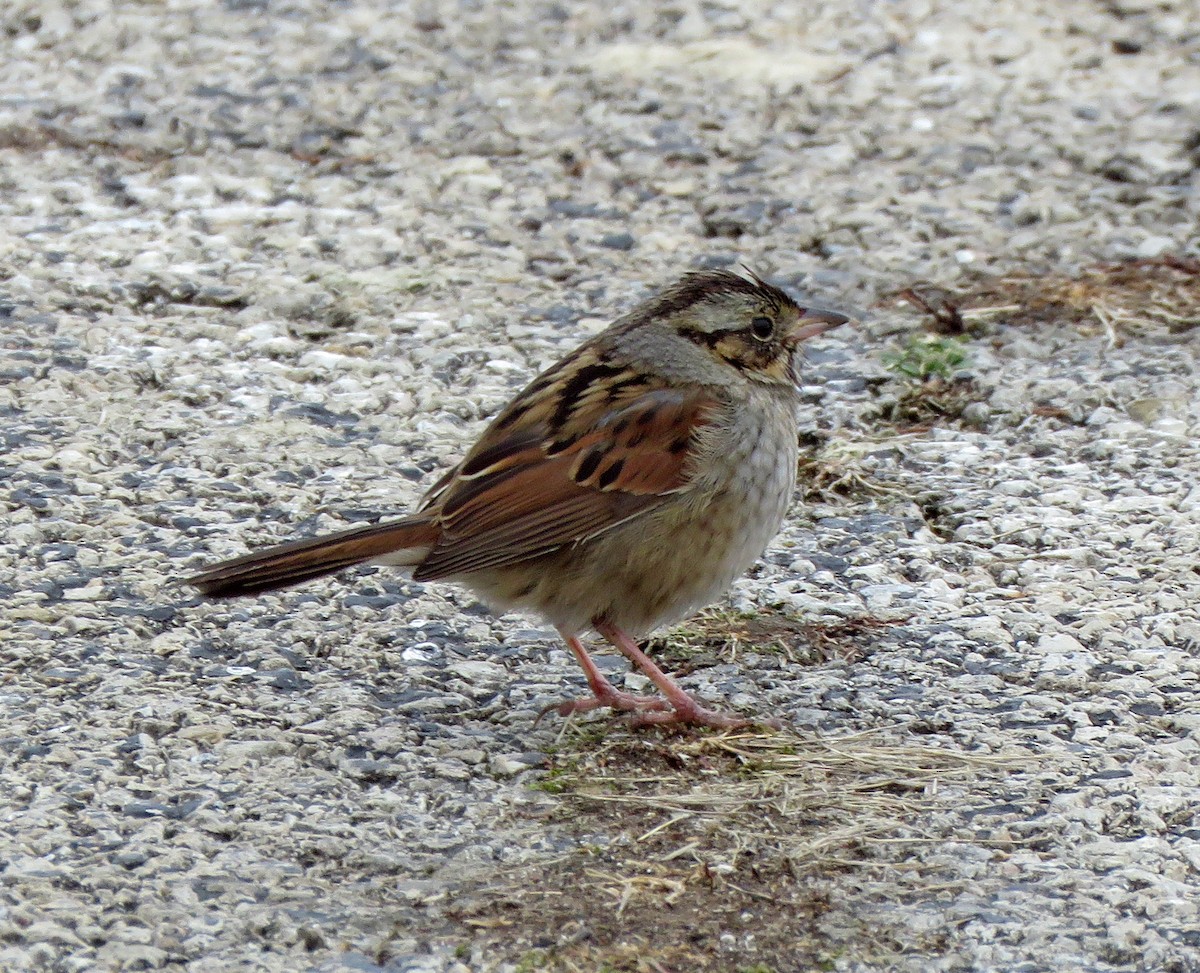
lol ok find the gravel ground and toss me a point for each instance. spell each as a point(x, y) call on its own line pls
point(267, 267)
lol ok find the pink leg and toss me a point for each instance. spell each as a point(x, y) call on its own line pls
point(686, 709)
point(606, 694)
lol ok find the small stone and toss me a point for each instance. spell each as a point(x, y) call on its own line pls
point(131, 859)
point(508, 764)
point(243, 752)
point(1155, 246)
point(618, 241)
point(205, 732)
point(678, 187)
point(1059, 644)
point(50, 932)
point(92, 591)
point(452, 770)
point(977, 414)
point(478, 670)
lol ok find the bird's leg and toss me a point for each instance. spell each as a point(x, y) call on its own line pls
point(605, 693)
point(684, 708)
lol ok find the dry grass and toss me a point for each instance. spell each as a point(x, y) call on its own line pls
point(1134, 298)
point(849, 791)
point(719, 635)
point(934, 402)
point(838, 469)
point(705, 852)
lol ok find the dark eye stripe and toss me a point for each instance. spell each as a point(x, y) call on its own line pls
point(710, 339)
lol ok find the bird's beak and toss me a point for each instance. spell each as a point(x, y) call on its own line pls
point(814, 321)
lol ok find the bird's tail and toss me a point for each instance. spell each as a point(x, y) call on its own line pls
point(398, 542)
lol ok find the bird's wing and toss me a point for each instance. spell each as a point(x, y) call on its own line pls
point(605, 445)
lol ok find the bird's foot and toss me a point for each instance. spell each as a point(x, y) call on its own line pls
point(604, 693)
point(683, 708)
point(610, 698)
point(691, 713)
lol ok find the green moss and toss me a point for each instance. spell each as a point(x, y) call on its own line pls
point(532, 961)
point(928, 356)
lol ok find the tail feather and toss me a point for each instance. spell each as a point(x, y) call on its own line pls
point(406, 541)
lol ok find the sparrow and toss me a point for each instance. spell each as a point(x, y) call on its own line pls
point(626, 486)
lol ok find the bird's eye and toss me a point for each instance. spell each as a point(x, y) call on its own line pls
point(763, 327)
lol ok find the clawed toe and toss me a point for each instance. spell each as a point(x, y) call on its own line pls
point(649, 711)
point(676, 708)
point(624, 702)
point(696, 715)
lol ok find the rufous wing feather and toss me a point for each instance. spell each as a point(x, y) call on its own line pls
point(517, 496)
